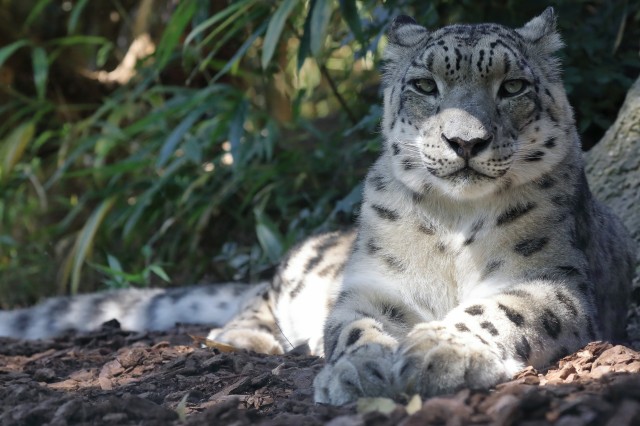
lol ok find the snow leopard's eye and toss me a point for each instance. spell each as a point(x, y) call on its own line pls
point(426, 86)
point(512, 88)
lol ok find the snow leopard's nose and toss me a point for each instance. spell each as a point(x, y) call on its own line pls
point(468, 148)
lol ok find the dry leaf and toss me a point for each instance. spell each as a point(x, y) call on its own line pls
point(212, 344)
point(414, 405)
point(383, 405)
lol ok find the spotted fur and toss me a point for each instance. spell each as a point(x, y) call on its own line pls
point(490, 253)
point(479, 248)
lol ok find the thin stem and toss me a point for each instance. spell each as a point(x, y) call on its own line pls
point(334, 88)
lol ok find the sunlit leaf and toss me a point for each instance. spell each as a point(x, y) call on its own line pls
point(276, 23)
point(14, 145)
point(117, 277)
point(160, 272)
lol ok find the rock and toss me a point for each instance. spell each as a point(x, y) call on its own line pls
point(613, 166)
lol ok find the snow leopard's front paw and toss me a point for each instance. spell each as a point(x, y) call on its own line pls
point(366, 372)
point(360, 365)
point(434, 359)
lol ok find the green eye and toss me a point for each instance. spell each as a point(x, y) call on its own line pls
point(512, 87)
point(426, 86)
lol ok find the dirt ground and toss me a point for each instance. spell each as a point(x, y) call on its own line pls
point(114, 377)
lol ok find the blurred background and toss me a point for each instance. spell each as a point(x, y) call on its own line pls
point(166, 142)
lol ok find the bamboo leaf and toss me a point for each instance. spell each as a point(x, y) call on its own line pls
point(305, 41)
point(160, 272)
point(349, 12)
point(103, 54)
point(197, 31)
point(35, 12)
point(75, 16)
point(145, 198)
point(236, 129)
point(320, 16)
point(224, 33)
point(15, 145)
point(78, 39)
point(276, 23)
point(40, 71)
point(72, 268)
point(241, 51)
point(268, 236)
point(171, 36)
point(169, 146)
point(114, 263)
point(8, 50)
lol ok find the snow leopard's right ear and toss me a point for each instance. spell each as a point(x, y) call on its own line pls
point(404, 34)
point(541, 32)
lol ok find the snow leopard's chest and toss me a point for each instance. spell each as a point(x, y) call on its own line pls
point(431, 255)
point(429, 266)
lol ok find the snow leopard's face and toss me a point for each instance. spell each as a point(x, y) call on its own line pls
point(471, 110)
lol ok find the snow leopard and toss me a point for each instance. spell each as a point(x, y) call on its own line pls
point(479, 248)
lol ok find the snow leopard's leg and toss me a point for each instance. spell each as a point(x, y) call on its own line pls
point(254, 327)
point(478, 344)
point(135, 309)
point(361, 338)
point(483, 342)
point(292, 310)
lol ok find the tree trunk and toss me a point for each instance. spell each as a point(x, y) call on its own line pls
point(613, 167)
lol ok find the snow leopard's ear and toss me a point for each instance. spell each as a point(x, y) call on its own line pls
point(404, 34)
point(541, 32)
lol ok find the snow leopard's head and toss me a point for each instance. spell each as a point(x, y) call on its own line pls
point(473, 109)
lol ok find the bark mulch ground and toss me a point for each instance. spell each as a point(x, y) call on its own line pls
point(114, 377)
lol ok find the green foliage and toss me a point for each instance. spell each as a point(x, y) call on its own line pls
point(249, 127)
point(116, 277)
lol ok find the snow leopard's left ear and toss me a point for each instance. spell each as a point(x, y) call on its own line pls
point(404, 34)
point(541, 32)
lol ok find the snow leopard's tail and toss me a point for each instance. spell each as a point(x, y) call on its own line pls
point(135, 309)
